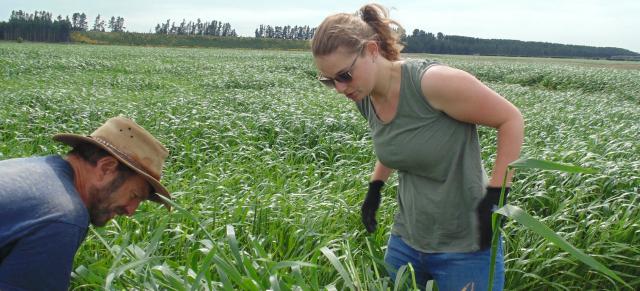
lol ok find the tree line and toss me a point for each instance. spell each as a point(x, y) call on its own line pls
point(426, 42)
point(285, 32)
point(212, 28)
point(79, 23)
point(41, 26)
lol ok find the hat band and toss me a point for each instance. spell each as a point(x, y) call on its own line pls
point(124, 156)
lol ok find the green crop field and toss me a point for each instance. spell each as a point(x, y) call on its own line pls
point(269, 168)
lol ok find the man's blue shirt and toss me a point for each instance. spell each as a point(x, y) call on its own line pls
point(43, 221)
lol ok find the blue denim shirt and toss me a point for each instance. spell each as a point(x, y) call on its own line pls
point(43, 221)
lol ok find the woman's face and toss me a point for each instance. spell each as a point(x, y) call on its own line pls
point(349, 72)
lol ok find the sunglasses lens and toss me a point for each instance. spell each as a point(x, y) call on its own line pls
point(344, 77)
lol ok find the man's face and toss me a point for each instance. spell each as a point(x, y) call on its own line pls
point(121, 196)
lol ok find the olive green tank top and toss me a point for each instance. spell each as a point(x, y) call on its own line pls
point(440, 173)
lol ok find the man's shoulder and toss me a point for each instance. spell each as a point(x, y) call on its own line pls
point(36, 164)
point(40, 187)
point(35, 175)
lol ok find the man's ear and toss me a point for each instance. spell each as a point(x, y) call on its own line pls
point(107, 167)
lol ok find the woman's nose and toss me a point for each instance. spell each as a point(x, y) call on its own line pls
point(340, 87)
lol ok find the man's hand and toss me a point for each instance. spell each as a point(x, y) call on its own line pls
point(371, 204)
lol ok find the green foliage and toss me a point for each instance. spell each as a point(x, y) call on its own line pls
point(426, 42)
point(524, 218)
point(535, 225)
point(213, 28)
point(269, 168)
point(566, 76)
point(173, 40)
point(39, 26)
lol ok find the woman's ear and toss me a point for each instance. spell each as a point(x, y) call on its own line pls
point(371, 47)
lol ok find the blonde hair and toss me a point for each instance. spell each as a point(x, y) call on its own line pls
point(351, 31)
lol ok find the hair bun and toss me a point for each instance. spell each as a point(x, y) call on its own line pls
point(371, 13)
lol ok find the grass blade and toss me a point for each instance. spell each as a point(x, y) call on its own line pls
point(536, 226)
point(286, 264)
point(338, 266)
point(235, 247)
point(120, 270)
point(546, 165)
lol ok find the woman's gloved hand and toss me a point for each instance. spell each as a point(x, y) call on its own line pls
point(371, 204)
point(485, 208)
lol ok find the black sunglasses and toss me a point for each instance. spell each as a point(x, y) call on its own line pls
point(343, 77)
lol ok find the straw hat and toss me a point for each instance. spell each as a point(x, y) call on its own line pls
point(130, 144)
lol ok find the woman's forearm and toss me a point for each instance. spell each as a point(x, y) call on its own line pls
point(510, 139)
point(381, 172)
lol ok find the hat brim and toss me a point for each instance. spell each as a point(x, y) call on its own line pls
point(75, 139)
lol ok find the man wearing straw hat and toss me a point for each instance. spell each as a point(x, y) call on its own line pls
point(46, 203)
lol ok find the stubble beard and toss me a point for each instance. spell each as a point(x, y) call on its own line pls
point(101, 210)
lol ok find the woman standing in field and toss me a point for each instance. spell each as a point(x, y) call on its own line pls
point(423, 116)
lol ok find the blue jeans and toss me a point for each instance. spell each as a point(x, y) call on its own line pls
point(451, 271)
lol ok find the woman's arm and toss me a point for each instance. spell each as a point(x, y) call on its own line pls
point(381, 172)
point(463, 97)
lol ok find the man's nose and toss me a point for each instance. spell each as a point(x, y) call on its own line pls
point(130, 209)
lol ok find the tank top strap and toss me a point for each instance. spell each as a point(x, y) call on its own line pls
point(411, 97)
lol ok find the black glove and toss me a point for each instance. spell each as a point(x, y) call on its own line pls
point(371, 204)
point(484, 210)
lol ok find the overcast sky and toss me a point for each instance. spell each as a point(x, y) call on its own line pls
point(613, 23)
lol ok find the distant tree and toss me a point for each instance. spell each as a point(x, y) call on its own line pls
point(261, 31)
point(75, 20)
point(269, 33)
point(120, 24)
point(227, 30)
point(79, 22)
point(173, 29)
point(165, 28)
point(116, 24)
point(98, 24)
point(181, 29)
point(82, 22)
point(198, 27)
point(112, 23)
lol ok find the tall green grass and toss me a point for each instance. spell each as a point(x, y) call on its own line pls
point(269, 168)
